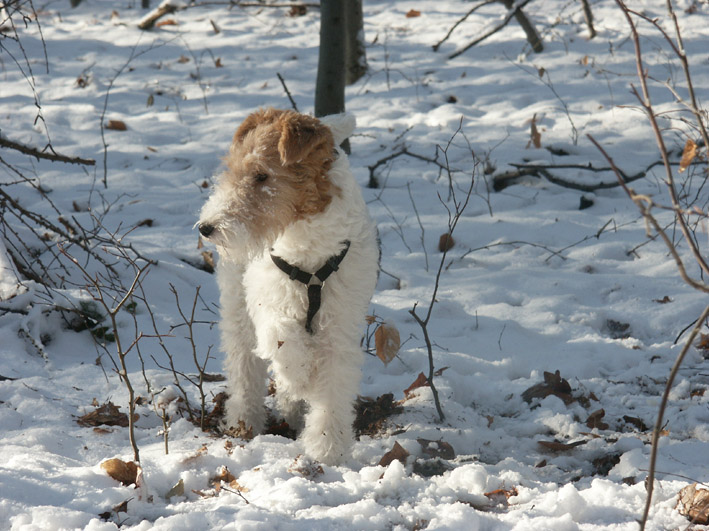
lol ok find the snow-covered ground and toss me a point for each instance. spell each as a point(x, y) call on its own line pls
point(533, 284)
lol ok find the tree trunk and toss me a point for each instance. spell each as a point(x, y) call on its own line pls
point(330, 84)
point(355, 53)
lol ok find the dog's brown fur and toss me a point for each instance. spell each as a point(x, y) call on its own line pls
point(293, 151)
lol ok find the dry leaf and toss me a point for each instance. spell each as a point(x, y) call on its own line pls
point(413, 13)
point(370, 319)
point(218, 62)
point(387, 342)
point(116, 125)
point(445, 242)
point(535, 135)
point(553, 384)
point(703, 342)
point(304, 466)
point(693, 504)
point(178, 489)
point(420, 381)
point(594, 420)
point(108, 414)
point(396, 453)
point(208, 265)
point(166, 22)
point(635, 421)
point(216, 28)
point(183, 59)
point(125, 472)
point(439, 448)
point(688, 155)
point(501, 493)
point(199, 453)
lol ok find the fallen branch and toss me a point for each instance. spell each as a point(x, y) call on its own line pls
point(167, 8)
point(53, 156)
point(460, 21)
point(512, 13)
point(374, 181)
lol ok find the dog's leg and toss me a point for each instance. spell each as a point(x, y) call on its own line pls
point(246, 373)
point(328, 425)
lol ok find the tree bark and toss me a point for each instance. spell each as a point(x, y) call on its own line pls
point(355, 53)
point(330, 84)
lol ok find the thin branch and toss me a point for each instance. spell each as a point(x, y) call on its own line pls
point(506, 20)
point(285, 87)
point(460, 21)
point(34, 152)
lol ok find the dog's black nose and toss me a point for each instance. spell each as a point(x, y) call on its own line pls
point(205, 229)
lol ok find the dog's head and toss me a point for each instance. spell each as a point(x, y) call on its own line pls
point(276, 174)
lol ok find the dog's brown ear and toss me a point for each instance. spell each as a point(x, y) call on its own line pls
point(262, 116)
point(300, 135)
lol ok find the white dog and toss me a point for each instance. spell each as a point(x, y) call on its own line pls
point(298, 265)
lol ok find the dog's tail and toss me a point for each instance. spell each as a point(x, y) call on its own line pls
point(341, 125)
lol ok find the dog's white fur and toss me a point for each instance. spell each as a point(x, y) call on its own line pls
point(263, 311)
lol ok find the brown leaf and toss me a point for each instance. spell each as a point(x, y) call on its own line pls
point(498, 495)
point(108, 414)
point(440, 371)
point(703, 342)
point(166, 22)
point(688, 154)
point(413, 13)
point(553, 384)
point(208, 264)
point(439, 448)
point(396, 453)
point(178, 489)
point(116, 125)
point(663, 300)
point(387, 342)
point(420, 381)
point(635, 421)
point(192, 458)
point(446, 242)
point(594, 420)
point(218, 63)
point(183, 59)
point(125, 472)
point(559, 447)
point(216, 28)
point(305, 467)
point(241, 431)
point(693, 504)
point(535, 136)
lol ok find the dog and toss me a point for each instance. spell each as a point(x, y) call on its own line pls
point(298, 264)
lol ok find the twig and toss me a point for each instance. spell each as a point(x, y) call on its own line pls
point(461, 20)
point(506, 20)
point(588, 16)
point(661, 412)
point(283, 82)
point(29, 150)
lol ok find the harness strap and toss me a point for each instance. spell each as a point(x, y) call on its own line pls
point(309, 279)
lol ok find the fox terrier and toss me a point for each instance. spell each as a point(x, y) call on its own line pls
point(298, 263)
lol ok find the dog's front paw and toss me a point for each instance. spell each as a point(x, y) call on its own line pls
point(330, 445)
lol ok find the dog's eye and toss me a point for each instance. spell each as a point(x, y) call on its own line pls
point(261, 177)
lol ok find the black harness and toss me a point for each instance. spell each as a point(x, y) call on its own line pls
point(314, 281)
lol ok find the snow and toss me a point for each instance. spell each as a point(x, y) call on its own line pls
point(533, 284)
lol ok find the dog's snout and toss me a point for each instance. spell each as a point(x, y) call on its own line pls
point(205, 229)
